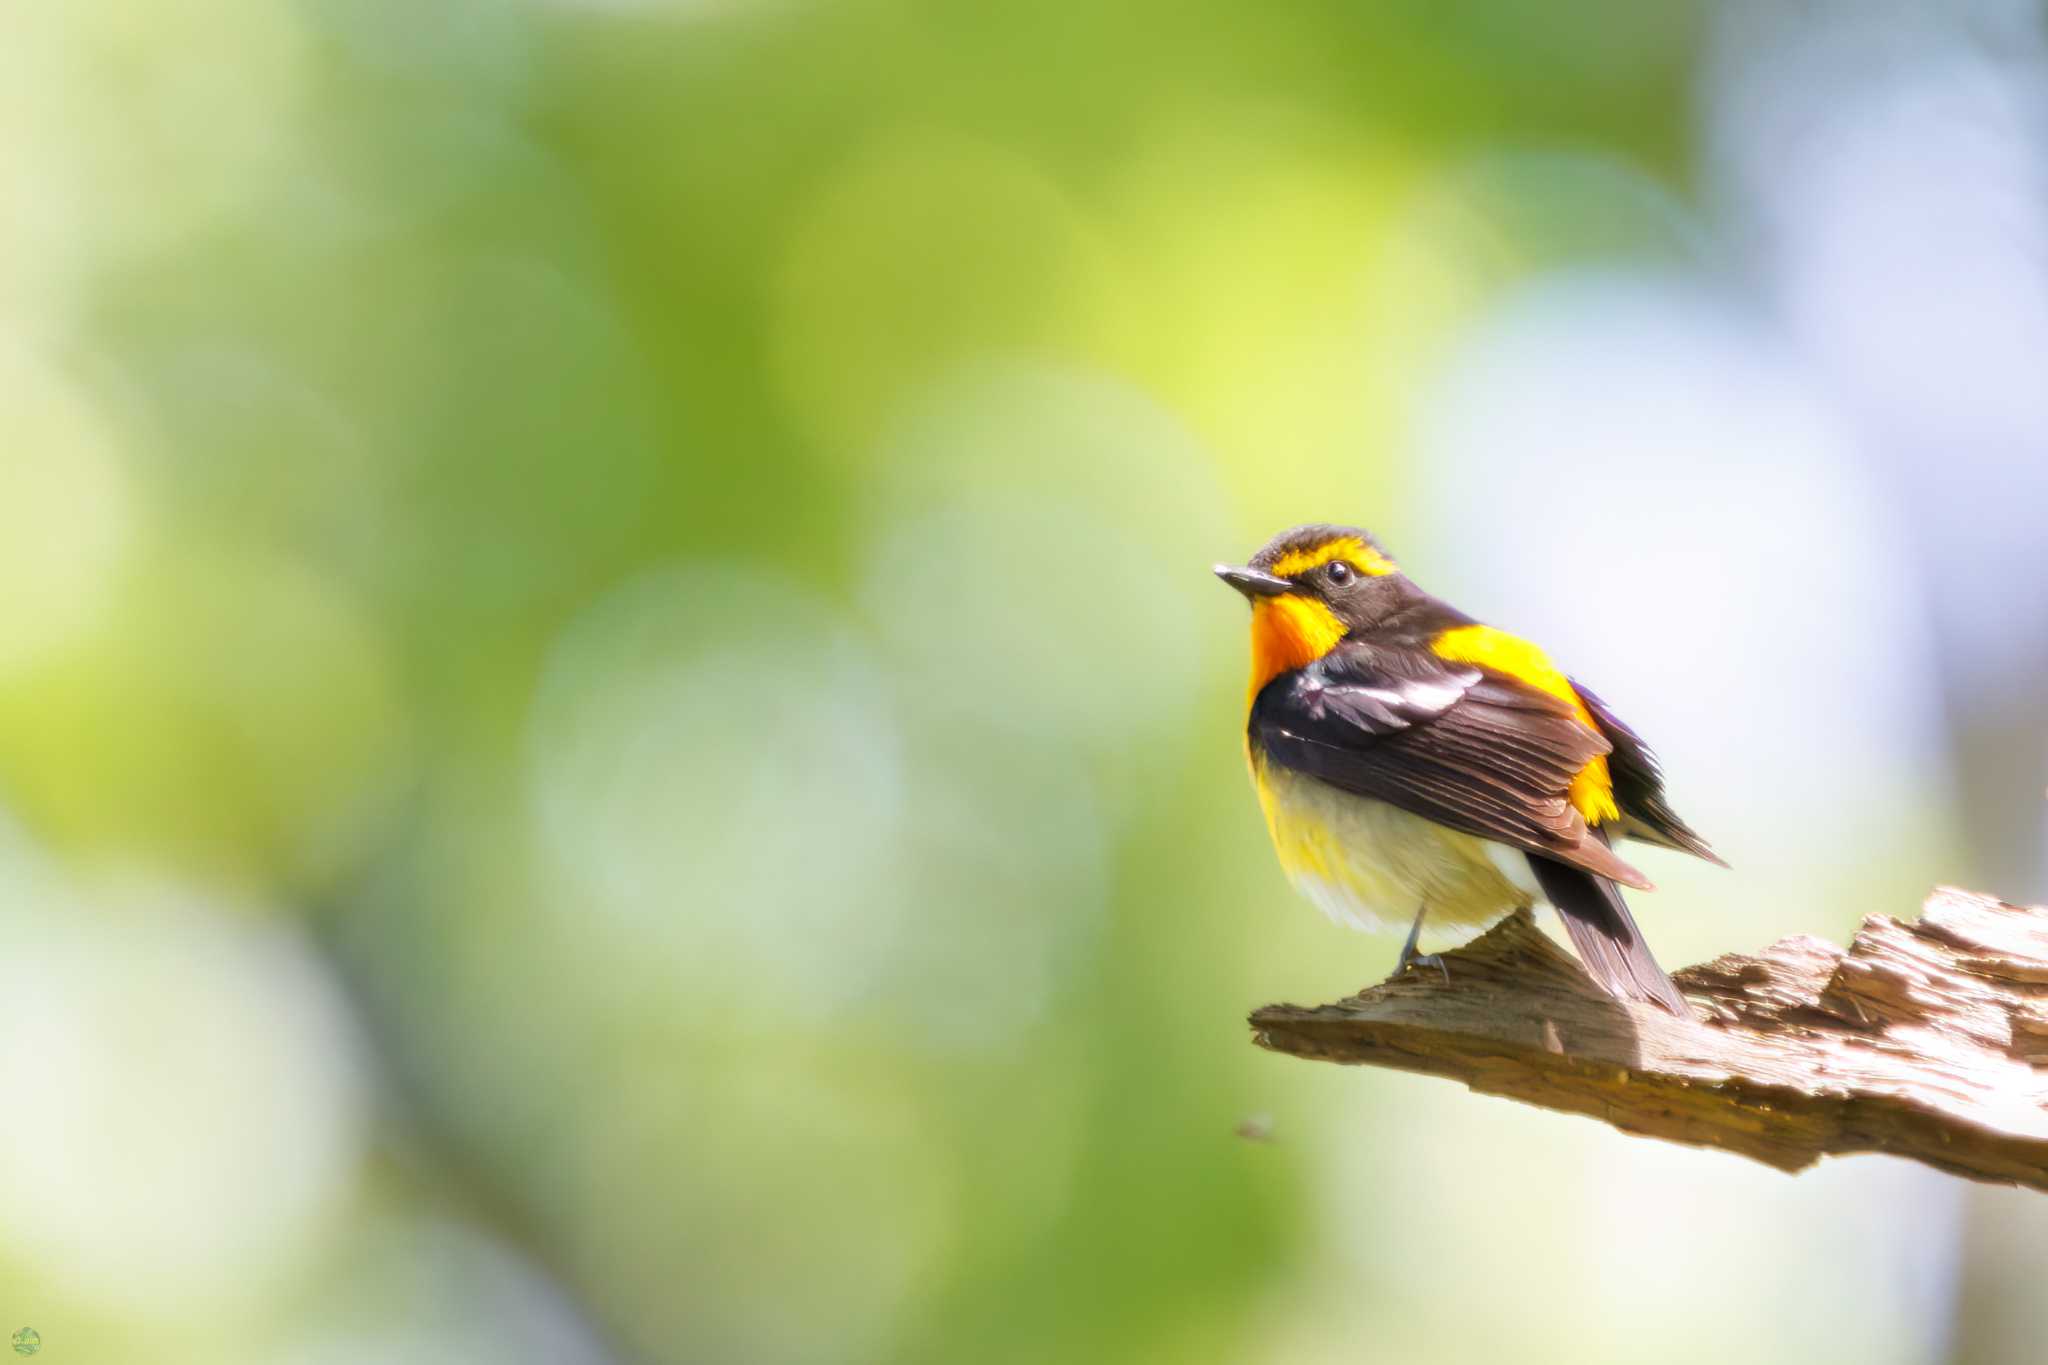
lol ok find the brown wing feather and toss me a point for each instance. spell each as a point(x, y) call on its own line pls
point(1473, 750)
point(1639, 785)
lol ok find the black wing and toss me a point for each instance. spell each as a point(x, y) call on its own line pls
point(1639, 785)
point(1473, 750)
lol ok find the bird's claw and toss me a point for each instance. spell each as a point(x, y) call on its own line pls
point(1410, 958)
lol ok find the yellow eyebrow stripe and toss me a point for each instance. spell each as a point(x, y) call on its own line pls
point(1361, 556)
point(1592, 791)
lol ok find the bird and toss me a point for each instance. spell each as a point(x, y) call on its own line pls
point(1413, 761)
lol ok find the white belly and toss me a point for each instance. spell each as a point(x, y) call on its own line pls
point(1371, 865)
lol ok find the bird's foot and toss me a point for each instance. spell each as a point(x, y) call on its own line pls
point(1410, 958)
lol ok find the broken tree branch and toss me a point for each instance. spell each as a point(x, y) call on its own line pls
point(1923, 1040)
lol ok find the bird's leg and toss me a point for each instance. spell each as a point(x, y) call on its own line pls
point(1408, 953)
point(1408, 949)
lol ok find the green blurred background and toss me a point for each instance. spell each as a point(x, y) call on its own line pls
point(615, 740)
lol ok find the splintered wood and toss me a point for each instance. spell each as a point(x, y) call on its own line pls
point(1925, 1040)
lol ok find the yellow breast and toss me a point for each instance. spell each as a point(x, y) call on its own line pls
point(1368, 864)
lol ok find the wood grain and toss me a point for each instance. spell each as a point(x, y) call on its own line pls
point(1924, 1039)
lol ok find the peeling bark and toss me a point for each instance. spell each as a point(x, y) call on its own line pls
point(1923, 1039)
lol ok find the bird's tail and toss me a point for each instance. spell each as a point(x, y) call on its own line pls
point(1606, 936)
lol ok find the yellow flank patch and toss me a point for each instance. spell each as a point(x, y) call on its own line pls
point(1360, 555)
point(1592, 791)
point(1288, 633)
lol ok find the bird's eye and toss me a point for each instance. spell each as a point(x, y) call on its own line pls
point(1340, 573)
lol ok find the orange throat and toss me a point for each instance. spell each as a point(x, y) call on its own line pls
point(1289, 633)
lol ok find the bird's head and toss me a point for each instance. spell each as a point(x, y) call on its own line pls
point(1309, 588)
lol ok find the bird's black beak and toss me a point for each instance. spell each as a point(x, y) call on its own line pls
point(1253, 583)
